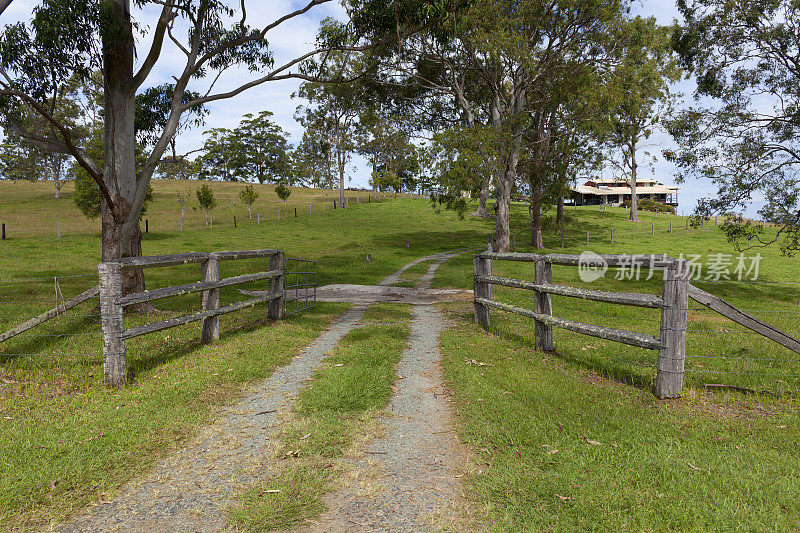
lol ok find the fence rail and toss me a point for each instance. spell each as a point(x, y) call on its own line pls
point(112, 302)
point(673, 306)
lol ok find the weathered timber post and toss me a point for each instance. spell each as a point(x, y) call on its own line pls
point(258, 217)
point(112, 319)
point(275, 307)
point(543, 303)
point(209, 326)
point(653, 229)
point(612, 235)
point(482, 267)
point(672, 355)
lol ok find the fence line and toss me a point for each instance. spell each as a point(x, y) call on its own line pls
point(674, 307)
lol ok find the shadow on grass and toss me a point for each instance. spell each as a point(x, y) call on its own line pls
point(617, 372)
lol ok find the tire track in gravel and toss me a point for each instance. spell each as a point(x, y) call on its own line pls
point(419, 460)
point(190, 490)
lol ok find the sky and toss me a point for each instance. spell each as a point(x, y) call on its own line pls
point(296, 37)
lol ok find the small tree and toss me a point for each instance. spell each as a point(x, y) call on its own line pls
point(248, 196)
point(283, 192)
point(183, 199)
point(205, 197)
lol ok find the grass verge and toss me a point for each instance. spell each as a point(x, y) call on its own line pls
point(64, 445)
point(333, 415)
point(561, 448)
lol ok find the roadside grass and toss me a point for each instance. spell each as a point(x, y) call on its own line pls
point(333, 416)
point(561, 448)
point(65, 443)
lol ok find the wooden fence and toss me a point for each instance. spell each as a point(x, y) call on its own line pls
point(112, 302)
point(673, 304)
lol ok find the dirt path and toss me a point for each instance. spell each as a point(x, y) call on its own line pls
point(190, 490)
point(417, 464)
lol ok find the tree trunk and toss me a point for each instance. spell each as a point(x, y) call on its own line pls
point(119, 171)
point(340, 161)
point(560, 212)
point(634, 199)
point(482, 212)
point(536, 213)
point(502, 210)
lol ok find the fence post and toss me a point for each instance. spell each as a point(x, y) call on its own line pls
point(587, 238)
point(543, 303)
point(612, 235)
point(275, 309)
point(209, 327)
point(672, 355)
point(258, 217)
point(112, 320)
point(653, 229)
point(482, 267)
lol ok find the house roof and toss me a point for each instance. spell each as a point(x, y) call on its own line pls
point(600, 190)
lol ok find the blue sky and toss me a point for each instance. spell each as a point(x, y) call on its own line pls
point(297, 36)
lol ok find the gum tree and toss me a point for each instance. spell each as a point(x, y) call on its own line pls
point(743, 133)
point(67, 38)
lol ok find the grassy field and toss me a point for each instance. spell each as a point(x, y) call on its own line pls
point(31, 210)
point(65, 439)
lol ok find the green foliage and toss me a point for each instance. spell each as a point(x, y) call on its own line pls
point(744, 134)
point(256, 148)
point(283, 191)
point(248, 195)
point(648, 204)
point(205, 197)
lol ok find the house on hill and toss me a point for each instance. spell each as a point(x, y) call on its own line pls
point(614, 192)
